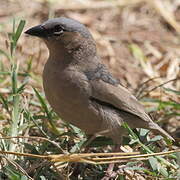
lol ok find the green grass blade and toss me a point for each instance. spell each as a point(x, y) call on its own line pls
point(45, 108)
point(14, 37)
point(14, 79)
point(5, 54)
point(19, 31)
point(4, 102)
point(172, 90)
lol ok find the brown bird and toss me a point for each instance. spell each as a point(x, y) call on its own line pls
point(80, 88)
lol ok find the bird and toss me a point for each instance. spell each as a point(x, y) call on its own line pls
point(81, 89)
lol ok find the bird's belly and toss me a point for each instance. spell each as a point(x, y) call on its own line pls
point(78, 113)
point(71, 104)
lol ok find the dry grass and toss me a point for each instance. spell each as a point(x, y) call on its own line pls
point(138, 40)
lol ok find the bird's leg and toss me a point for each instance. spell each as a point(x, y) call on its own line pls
point(85, 144)
point(94, 136)
point(89, 140)
point(109, 173)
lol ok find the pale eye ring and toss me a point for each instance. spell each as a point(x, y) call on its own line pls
point(58, 30)
point(58, 33)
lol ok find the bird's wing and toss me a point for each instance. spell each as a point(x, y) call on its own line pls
point(119, 97)
point(106, 88)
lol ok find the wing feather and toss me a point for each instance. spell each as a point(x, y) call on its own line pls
point(119, 97)
point(122, 99)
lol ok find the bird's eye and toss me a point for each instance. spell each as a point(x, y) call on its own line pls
point(58, 30)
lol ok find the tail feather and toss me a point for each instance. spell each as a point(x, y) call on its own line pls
point(158, 129)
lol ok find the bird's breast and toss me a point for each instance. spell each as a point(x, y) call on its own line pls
point(68, 91)
point(67, 86)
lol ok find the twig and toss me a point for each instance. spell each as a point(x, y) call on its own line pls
point(142, 86)
point(88, 157)
point(175, 79)
point(97, 5)
point(167, 15)
point(136, 156)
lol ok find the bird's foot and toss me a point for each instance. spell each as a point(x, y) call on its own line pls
point(109, 175)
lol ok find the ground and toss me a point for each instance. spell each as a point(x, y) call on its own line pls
point(138, 40)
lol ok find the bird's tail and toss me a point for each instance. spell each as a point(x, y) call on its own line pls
point(158, 129)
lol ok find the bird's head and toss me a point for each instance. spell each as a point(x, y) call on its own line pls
point(64, 34)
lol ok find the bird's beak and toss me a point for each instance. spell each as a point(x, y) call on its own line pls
point(38, 31)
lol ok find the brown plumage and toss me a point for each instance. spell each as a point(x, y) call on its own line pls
point(80, 88)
